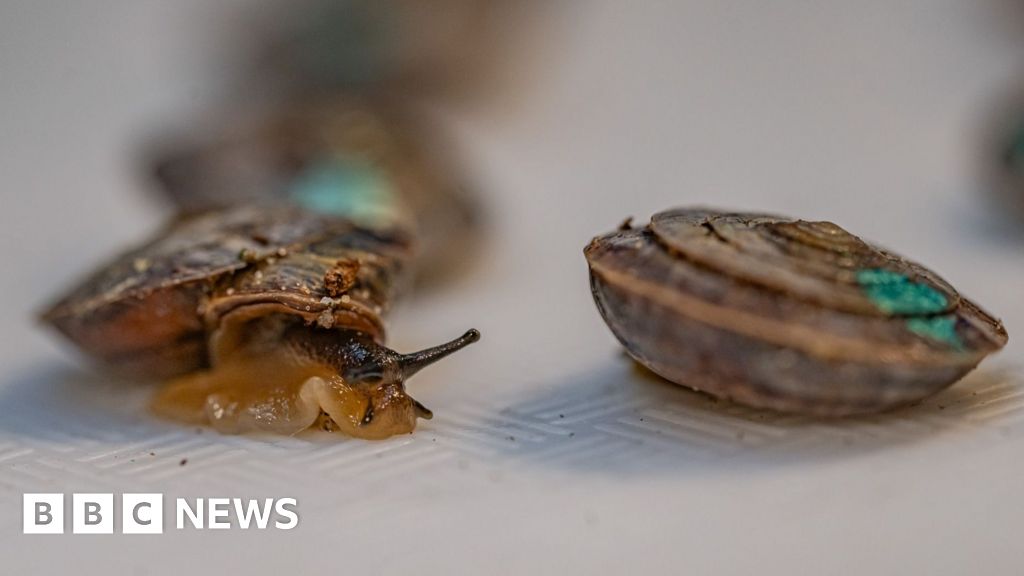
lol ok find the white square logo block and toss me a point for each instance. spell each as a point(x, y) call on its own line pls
point(92, 513)
point(43, 513)
point(142, 513)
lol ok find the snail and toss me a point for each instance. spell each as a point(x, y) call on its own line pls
point(1002, 157)
point(262, 302)
point(783, 314)
point(304, 151)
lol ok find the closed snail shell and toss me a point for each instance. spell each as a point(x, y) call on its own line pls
point(784, 314)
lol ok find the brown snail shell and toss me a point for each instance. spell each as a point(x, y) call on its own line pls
point(148, 312)
point(784, 314)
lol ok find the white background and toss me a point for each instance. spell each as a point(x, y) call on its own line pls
point(548, 454)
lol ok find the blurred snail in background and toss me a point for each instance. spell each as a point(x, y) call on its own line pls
point(1003, 157)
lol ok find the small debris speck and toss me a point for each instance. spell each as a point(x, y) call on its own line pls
point(341, 277)
point(325, 319)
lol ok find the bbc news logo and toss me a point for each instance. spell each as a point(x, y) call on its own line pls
point(144, 513)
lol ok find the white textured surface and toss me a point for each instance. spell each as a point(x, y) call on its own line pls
point(549, 453)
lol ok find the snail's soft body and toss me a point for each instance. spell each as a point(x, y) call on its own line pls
point(264, 300)
point(784, 314)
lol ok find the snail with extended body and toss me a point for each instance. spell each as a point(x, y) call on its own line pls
point(268, 314)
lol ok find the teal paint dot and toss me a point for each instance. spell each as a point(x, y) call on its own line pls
point(358, 191)
point(894, 293)
point(939, 328)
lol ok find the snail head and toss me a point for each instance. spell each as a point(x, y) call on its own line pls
point(377, 376)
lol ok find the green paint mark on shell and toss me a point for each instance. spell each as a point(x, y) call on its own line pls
point(894, 293)
point(358, 191)
point(939, 328)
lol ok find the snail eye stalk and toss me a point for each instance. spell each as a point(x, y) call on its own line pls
point(410, 364)
point(386, 364)
point(421, 410)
